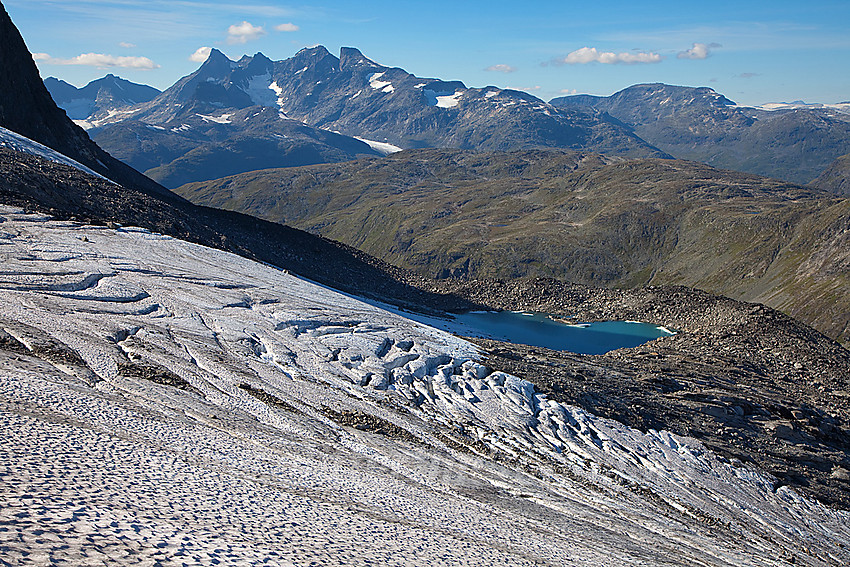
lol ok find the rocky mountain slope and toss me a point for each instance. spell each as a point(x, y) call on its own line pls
point(581, 217)
point(836, 178)
point(100, 96)
point(795, 143)
point(359, 97)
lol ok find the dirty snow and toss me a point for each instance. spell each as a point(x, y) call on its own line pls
point(474, 467)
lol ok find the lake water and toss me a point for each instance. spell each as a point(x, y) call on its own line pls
point(538, 329)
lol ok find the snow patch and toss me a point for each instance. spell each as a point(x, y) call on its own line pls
point(443, 99)
point(223, 119)
point(14, 141)
point(382, 148)
point(280, 98)
point(378, 85)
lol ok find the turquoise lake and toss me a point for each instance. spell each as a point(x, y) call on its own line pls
point(538, 329)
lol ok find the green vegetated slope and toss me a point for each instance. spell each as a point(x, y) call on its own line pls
point(576, 216)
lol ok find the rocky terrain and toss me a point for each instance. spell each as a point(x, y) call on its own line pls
point(795, 143)
point(580, 217)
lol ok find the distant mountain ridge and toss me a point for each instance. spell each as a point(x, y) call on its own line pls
point(318, 108)
point(101, 95)
point(794, 142)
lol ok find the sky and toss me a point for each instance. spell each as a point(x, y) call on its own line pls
point(754, 52)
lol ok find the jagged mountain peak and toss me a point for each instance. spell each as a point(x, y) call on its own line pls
point(351, 57)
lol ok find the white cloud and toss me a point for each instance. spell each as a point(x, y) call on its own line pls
point(289, 27)
point(592, 55)
point(501, 68)
point(127, 45)
point(698, 51)
point(200, 55)
point(99, 60)
point(244, 32)
point(568, 91)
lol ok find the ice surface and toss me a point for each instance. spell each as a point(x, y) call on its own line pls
point(302, 426)
point(260, 92)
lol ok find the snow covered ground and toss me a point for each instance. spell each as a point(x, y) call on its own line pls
point(165, 403)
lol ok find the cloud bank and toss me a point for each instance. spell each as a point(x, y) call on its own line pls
point(501, 68)
point(698, 51)
point(587, 55)
point(200, 55)
point(244, 32)
point(289, 27)
point(99, 60)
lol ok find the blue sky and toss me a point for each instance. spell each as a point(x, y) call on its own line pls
point(751, 51)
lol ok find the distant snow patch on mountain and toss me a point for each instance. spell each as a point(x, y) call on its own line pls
point(381, 147)
point(443, 99)
point(378, 85)
point(279, 92)
point(842, 107)
point(15, 141)
point(260, 90)
point(223, 119)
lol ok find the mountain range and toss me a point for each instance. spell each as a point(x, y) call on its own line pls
point(234, 116)
point(100, 96)
point(390, 109)
point(791, 142)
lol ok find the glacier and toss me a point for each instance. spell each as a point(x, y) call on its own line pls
point(166, 403)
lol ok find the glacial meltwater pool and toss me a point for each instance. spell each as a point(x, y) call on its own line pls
point(539, 329)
